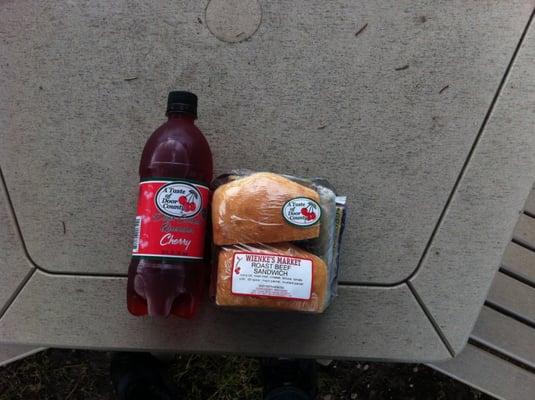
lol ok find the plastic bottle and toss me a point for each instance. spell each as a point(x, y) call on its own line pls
point(168, 271)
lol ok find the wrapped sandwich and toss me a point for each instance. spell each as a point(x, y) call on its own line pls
point(277, 241)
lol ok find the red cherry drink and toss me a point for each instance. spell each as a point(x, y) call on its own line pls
point(168, 271)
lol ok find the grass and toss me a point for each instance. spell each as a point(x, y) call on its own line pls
point(216, 378)
point(57, 375)
point(84, 375)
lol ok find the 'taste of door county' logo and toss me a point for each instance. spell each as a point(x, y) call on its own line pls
point(180, 200)
point(301, 211)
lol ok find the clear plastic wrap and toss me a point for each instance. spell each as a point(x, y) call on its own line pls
point(277, 240)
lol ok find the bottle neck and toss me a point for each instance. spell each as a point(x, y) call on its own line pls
point(180, 115)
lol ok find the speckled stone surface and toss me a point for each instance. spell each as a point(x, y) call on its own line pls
point(303, 95)
point(388, 115)
point(479, 223)
point(14, 266)
point(95, 317)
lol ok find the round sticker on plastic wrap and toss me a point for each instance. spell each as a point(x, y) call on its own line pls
point(301, 211)
point(180, 200)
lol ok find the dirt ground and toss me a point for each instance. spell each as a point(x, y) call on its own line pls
point(77, 375)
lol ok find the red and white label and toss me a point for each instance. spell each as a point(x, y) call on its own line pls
point(271, 275)
point(171, 219)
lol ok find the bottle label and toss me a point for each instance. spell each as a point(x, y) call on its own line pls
point(171, 219)
point(301, 211)
point(271, 275)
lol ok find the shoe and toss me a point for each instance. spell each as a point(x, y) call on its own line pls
point(287, 393)
point(286, 379)
point(137, 376)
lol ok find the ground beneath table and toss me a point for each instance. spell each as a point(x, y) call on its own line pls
point(73, 374)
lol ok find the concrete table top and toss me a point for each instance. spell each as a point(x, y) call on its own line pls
point(420, 112)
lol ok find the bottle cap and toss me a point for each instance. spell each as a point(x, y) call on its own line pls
point(182, 102)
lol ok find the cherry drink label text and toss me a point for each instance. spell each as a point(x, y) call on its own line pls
point(171, 219)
